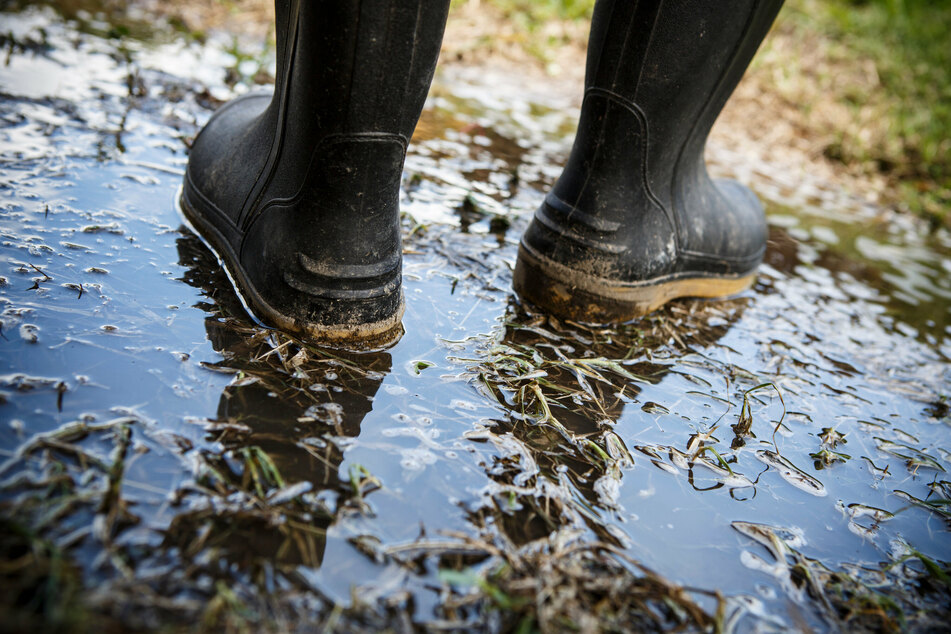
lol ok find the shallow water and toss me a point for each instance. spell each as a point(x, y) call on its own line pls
point(113, 313)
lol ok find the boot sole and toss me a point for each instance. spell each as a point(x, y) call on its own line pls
point(379, 333)
point(581, 297)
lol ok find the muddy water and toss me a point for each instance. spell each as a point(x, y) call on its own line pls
point(115, 316)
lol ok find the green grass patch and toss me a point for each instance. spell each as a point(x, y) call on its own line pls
point(888, 62)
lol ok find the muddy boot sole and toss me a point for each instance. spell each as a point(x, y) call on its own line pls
point(570, 294)
point(374, 334)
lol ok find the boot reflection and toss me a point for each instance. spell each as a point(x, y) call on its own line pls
point(584, 378)
point(288, 404)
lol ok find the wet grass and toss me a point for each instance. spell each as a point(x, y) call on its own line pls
point(563, 586)
point(899, 596)
point(61, 492)
point(526, 570)
point(240, 513)
point(543, 389)
point(42, 584)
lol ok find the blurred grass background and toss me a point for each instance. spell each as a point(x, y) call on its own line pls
point(888, 69)
point(869, 81)
point(862, 85)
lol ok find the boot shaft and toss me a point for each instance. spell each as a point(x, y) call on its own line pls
point(676, 61)
point(358, 66)
point(356, 70)
point(657, 76)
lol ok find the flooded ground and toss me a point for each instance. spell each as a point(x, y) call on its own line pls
point(778, 460)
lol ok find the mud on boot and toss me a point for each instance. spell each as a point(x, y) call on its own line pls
point(635, 220)
point(298, 192)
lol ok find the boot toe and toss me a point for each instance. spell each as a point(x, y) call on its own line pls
point(748, 230)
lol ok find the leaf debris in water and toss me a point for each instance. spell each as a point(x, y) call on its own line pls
point(791, 473)
point(29, 333)
point(419, 366)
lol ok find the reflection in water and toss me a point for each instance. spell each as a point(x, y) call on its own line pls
point(909, 280)
point(280, 419)
point(565, 388)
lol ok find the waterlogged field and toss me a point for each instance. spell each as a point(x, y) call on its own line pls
point(774, 461)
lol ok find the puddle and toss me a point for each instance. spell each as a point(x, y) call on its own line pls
point(182, 452)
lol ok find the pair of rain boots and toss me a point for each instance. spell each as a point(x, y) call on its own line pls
point(298, 192)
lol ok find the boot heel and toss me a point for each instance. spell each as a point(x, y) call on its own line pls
point(574, 295)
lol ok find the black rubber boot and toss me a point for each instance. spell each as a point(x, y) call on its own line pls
point(635, 220)
point(298, 193)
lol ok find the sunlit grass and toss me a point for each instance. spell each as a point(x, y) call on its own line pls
point(873, 79)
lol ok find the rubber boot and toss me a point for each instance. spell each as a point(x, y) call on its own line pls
point(634, 219)
point(298, 192)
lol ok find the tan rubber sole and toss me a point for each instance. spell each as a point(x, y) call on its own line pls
point(377, 334)
point(581, 297)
